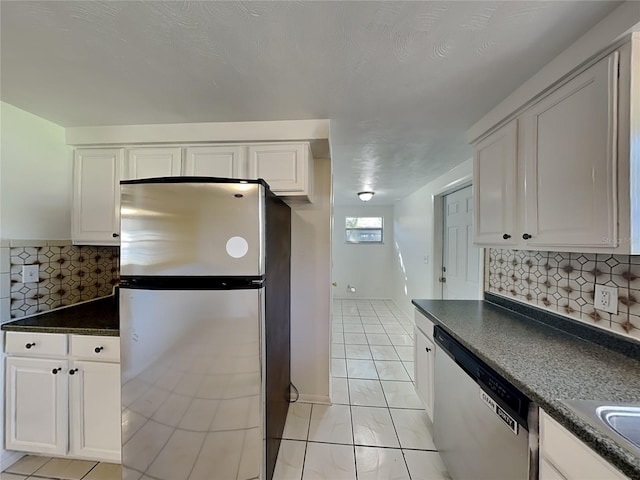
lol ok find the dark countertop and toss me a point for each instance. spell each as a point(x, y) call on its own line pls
point(98, 317)
point(546, 364)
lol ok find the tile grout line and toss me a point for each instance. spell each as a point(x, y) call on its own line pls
point(306, 443)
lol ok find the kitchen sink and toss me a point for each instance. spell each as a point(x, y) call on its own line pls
point(618, 421)
point(624, 420)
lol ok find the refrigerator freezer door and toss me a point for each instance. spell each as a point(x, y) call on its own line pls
point(192, 390)
point(192, 229)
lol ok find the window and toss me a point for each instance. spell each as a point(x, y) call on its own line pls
point(363, 229)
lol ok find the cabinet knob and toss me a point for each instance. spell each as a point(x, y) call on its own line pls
point(73, 371)
point(98, 349)
point(29, 345)
point(115, 235)
point(56, 370)
point(526, 236)
point(427, 349)
point(506, 236)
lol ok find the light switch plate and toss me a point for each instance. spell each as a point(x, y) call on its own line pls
point(606, 299)
point(30, 273)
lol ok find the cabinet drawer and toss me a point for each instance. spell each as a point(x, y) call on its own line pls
point(35, 344)
point(424, 324)
point(106, 349)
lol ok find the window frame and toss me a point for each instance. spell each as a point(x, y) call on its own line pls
point(365, 242)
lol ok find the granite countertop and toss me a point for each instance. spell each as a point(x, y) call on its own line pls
point(546, 364)
point(97, 317)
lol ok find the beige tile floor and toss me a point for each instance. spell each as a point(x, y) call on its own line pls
point(376, 427)
point(33, 467)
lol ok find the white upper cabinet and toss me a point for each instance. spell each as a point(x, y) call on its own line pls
point(225, 161)
point(560, 180)
point(570, 162)
point(494, 186)
point(96, 196)
point(153, 162)
point(287, 168)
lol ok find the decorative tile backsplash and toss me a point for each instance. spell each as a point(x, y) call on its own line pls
point(68, 274)
point(565, 283)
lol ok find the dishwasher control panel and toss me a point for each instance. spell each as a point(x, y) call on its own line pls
point(509, 398)
point(500, 389)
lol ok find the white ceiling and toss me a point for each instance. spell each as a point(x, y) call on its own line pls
point(400, 81)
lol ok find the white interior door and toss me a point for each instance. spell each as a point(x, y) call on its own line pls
point(461, 259)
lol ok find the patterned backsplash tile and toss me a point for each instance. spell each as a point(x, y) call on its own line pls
point(565, 283)
point(68, 274)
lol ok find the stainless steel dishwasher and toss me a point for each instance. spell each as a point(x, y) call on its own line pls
point(481, 422)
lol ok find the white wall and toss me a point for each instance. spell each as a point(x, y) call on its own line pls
point(367, 267)
point(415, 238)
point(35, 177)
point(35, 193)
point(310, 289)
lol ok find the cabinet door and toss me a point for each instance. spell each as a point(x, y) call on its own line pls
point(569, 456)
point(548, 472)
point(494, 186)
point(96, 196)
point(153, 162)
point(36, 405)
point(571, 190)
point(285, 167)
point(94, 408)
point(216, 161)
point(424, 374)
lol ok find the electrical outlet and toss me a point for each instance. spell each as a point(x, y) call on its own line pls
point(30, 274)
point(606, 298)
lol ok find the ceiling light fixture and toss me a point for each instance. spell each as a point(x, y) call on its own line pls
point(366, 196)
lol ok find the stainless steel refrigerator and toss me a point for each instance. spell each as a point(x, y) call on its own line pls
point(204, 328)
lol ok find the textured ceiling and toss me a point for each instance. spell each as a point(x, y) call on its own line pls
point(400, 81)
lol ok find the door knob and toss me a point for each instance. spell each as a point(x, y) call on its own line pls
point(526, 236)
point(427, 349)
point(442, 280)
point(506, 236)
point(56, 370)
point(73, 372)
point(115, 235)
point(29, 345)
point(335, 284)
point(98, 349)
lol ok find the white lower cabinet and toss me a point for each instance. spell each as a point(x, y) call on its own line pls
point(424, 374)
point(94, 407)
point(63, 405)
point(564, 457)
point(36, 405)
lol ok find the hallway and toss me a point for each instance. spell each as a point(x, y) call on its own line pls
point(376, 427)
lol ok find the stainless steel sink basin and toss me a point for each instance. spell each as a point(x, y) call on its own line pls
point(625, 420)
point(618, 421)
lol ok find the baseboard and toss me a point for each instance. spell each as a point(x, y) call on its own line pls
point(8, 458)
point(323, 399)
